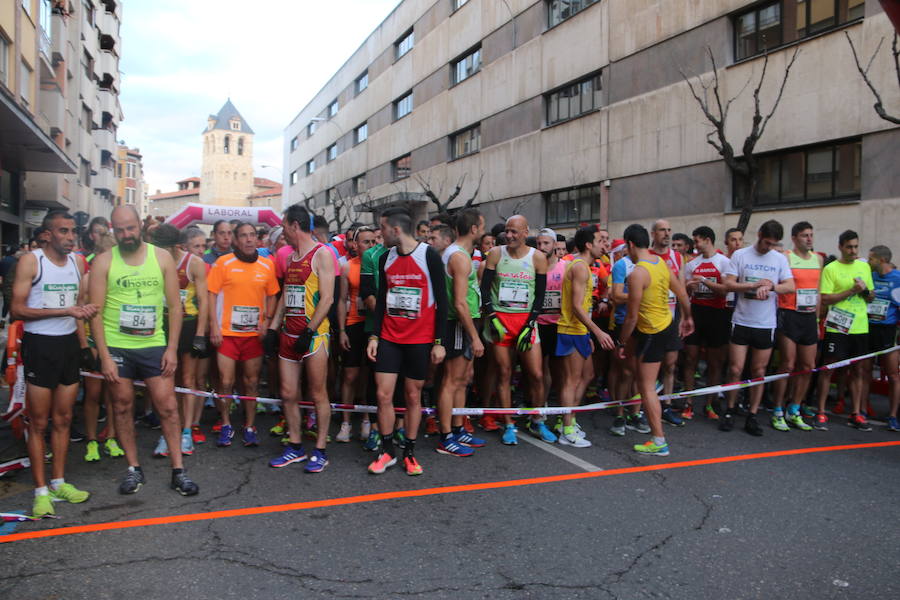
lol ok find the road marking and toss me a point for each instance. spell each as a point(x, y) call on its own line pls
point(555, 451)
point(451, 489)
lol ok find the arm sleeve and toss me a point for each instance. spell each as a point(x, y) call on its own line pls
point(381, 298)
point(487, 282)
point(439, 287)
point(540, 287)
point(366, 277)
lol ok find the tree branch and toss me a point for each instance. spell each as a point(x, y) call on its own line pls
point(879, 105)
point(787, 73)
point(474, 195)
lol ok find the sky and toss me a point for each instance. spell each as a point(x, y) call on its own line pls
point(180, 62)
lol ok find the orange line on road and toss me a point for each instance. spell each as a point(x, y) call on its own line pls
point(396, 495)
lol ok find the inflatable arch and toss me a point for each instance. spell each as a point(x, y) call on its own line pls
point(209, 214)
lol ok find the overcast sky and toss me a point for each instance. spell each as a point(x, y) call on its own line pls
point(182, 60)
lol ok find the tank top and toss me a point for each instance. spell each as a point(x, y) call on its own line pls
point(301, 291)
point(410, 310)
point(473, 292)
point(53, 287)
point(674, 261)
point(186, 287)
point(568, 322)
point(807, 273)
point(513, 289)
point(356, 311)
point(553, 296)
point(132, 315)
point(654, 314)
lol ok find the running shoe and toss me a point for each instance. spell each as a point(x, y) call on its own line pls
point(779, 423)
point(217, 426)
point(452, 447)
point(893, 424)
point(650, 449)
point(69, 493)
point(197, 435)
point(467, 425)
point(751, 426)
point(412, 466)
point(688, 411)
point(859, 422)
point(573, 439)
point(821, 422)
point(278, 429)
point(373, 441)
point(162, 449)
point(509, 435)
point(808, 411)
point(343, 435)
point(364, 430)
point(183, 484)
point(711, 413)
point(187, 443)
point(132, 482)
point(288, 457)
point(637, 422)
point(797, 422)
point(431, 426)
point(669, 416)
point(317, 462)
point(112, 448)
point(382, 463)
point(489, 423)
point(618, 426)
point(260, 408)
point(92, 452)
point(839, 408)
point(75, 435)
point(43, 506)
point(400, 438)
point(150, 420)
point(540, 430)
point(251, 440)
point(467, 439)
point(225, 436)
point(726, 423)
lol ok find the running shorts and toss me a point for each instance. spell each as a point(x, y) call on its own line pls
point(51, 360)
point(409, 360)
point(800, 328)
point(755, 337)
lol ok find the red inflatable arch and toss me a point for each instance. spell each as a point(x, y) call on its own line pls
point(208, 214)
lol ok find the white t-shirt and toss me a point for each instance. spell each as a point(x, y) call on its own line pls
point(749, 265)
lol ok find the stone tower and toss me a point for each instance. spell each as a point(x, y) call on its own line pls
point(227, 172)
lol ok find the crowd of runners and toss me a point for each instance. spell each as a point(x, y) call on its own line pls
point(440, 314)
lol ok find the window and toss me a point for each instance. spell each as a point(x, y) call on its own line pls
point(130, 194)
point(311, 167)
point(818, 173)
point(333, 109)
point(131, 170)
point(359, 185)
point(9, 192)
point(361, 133)
point(560, 10)
point(295, 177)
point(25, 92)
point(402, 167)
point(403, 106)
point(295, 143)
point(87, 118)
point(362, 82)
point(235, 125)
point(330, 196)
point(84, 173)
point(458, 4)
point(574, 100)
point(404, 44)
point(240, 146)
point(46, 10)
point(466, 142)
point(88, 10)
point(227, 146)
point(578, 205)
point(467, 66)
point(4, 61)
point(311, 128)
point(26, 6)
point(332, 152)
point(770, 25)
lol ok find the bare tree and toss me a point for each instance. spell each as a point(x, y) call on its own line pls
point(709, 98)
point(515, 210)
point(895, 52)
point(443, 206)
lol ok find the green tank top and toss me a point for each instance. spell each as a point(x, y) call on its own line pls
point(133, 313)
point(473, 292)
point(513, 289)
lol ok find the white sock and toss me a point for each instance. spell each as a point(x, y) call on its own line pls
point(659, 441)
point(55, 483)
point(41, 491)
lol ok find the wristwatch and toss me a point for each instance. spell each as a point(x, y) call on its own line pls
point(438, 342)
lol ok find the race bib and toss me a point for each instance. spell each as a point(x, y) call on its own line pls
point(730, 300)
point(244, 319)
point(183, 294)
point(839, 319)
point(673, 302)
point(295, 300)
point(404, 302)
point(878, 309)
point(703, 292)
point(751, 295)
point(137, 320)
point(514, 294)
point(59, 295)
point(552, 302)
point(807, 300)
point(360, 306)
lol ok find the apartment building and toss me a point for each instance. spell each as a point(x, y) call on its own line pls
point(59, 109)
point(131, 188)
point(573, 111)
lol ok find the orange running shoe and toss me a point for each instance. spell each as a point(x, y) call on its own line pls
point(688, 411)
point(711, 413)
point(839, 408)
point(431, 427)
point(218, 426)
point(197, 435)
point(489, 423)
point(467, 425)
point(382, 463)
point(412, 466)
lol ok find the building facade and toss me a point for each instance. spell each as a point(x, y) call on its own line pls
point(577, 111)
point(227, 168)
point(131, 187)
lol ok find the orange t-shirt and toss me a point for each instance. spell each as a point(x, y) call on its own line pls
point(241, 290)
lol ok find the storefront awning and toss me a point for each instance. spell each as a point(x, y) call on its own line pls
point(24, 147)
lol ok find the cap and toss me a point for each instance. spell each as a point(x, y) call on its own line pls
point(546, 231)
point(618, 245)
point(274, 234)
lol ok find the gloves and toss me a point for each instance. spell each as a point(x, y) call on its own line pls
point(493, 329)
point(270, 343)
point(526, 338)
point(200, 347)
point(87, 360)
point(303, 342)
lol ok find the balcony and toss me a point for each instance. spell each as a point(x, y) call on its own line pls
point(108, 63)
point(105, 140)
point(108, 24)
point(59, 37)
point(52, 106)
point(105, 180)
point(109, 103)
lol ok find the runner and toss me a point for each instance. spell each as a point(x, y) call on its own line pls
point(462, 342)
point(846, 288)
point(410, 317)
point(549, 317)
point(242, 295)
point(576, 329)
point(223, 237)
point(684, 246)
point(662, 237)
point(512, 292)
point(304, 335)
point(650, 321)
point(194, 242)
point(129, 285)
point(757, 274)
point(798, 328)
point(884, 311)
point(712, 321)
point(369, 279)
point(49, 297)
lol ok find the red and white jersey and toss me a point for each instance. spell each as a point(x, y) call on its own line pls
point(711, 268)
point(675, 262)
point(410, 310)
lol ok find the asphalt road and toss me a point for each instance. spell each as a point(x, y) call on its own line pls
point(820, 525)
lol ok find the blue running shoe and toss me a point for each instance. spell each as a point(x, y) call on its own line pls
point(893, 425)
point(452, 447)
point(509, 435)
point(539, 430)
point(225, 436)
point(288, 457)
point(400, 438)
point(467, 439)
point(373, 441)
point(250, 438)
point(671, 418)
point(317, 462)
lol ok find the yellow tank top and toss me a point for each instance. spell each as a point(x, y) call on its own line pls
point(654, 314)
point(568, 323)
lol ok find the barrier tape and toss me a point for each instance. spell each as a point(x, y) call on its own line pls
point(547, 410)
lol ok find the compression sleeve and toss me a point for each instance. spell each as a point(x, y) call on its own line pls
point(487, 282)
point(439, 287)
point(381, 297)
point(540, 288)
